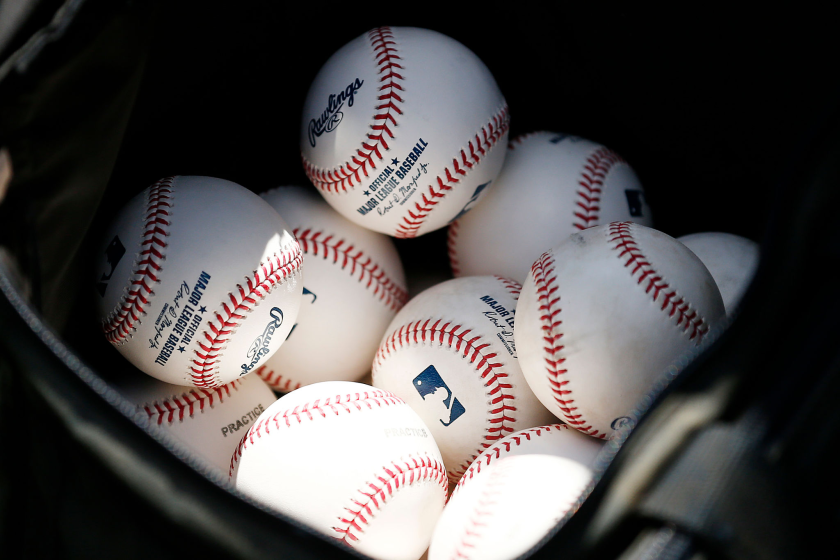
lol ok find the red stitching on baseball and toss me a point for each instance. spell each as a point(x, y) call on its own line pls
point(688, 320)
point(591, 182)
point(497, 451)
point(119, 325)
point(276, 381)
point(513, 288)
point(470, 347)
point(485, 506)
point(188, 403)
point(549, 300)
point(278, 267)
point(349, 173)
point(452, 248)
point(318, 243)
point(514, 143)
point(477, 147)
point(376, 493)
point(311, 411)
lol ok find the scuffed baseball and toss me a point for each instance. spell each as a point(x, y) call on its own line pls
point(198, 282)
point(559, 440)
point(210, 422)
point(551, 185)
point(351, 461)
point(505, 513)
point(603, 314)
point(353, 286)
point(450, 354)
point(403, 130)
point(731, 259)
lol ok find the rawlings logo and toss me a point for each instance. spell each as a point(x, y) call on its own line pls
point(331, 117)
point(259, 347)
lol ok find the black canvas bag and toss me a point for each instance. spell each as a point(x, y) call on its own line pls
point(732, 126)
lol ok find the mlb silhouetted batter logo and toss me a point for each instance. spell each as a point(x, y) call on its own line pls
point(113, 254)
point(432, 388)
point(471, 202)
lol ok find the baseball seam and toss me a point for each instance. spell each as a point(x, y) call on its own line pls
point(349, 174)
point(512, 287)
point(688, 320)
point(310, 411)
point(549, 312)
point(591, 183)
point(319, 243)
point(205, 369)
point(475, 150)
point(515, 142)
point(485, 507)
point(276, 381)
point(120, 323)
point(376, 493)
point(504, 447)
point(176, 407)
point(471, 347)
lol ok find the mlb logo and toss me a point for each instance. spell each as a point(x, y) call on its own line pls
point(430, 384)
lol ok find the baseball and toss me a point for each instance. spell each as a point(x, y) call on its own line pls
point(351, 461)
point(603, 314)
point(558, 440)
point(551, 185)
point(403, 129)
point(508, 512)
point(198, 282)
point(450, 354)
point(731, 259)
point(353, 286)
point(208, 421)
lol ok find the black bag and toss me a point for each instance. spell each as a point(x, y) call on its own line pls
point(732, 125)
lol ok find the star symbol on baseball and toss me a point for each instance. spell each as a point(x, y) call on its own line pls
point(367, 193)
point(395, 161)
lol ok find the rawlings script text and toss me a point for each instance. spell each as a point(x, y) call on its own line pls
point(259, 347)
point(331, 117)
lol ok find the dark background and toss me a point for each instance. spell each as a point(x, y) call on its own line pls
point(707, 107)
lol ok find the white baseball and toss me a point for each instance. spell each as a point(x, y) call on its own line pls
point(199, 281)
point(551, 185)
point(351, 461)
point(211, 422)
point(403, 129)
point(509, 511)
point(450, 354)
point(603, 314)
point(559, 440)
point(353, 287)
point(731, 259)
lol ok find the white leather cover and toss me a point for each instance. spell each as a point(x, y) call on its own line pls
point(351, 461)
point(731, 259)
point(551, 185)
point(210, 422)
point(198, 281)
point(603, 314)
point(510, 510)
point(559, 440)
point(354, 285)
point(403, 129)
point(449, 353)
